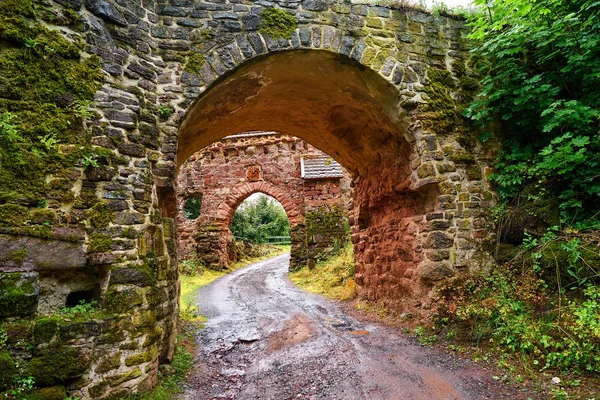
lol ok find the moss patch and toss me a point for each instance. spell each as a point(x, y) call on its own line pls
point(18, 255)
point(100, 216)
point(7, 369)
point(59, 363)
point(195, 62)
point(43, 79)
point(18, 294)
point(99, 243)
point(278, 23)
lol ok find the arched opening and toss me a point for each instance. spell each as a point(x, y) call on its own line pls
point(259, 219)
point(351, 113)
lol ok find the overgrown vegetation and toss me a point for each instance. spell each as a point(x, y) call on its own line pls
point(333, 278)
point(541, 80)
point(539, 310)
point(255, 220)
point(46, 92)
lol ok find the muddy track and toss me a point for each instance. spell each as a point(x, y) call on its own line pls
point(267, 339)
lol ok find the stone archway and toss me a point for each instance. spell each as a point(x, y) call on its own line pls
point(409, 226)
point(371, 85)
point(303, 179)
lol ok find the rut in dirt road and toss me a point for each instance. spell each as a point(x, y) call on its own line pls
point(267, 339)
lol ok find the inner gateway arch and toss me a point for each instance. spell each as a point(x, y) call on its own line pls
point(312, 187)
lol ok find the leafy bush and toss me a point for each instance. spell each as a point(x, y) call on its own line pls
point(513, 311)
point(541, 80)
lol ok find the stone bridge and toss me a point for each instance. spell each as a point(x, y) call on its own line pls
point(378, 88)
point(313, 189)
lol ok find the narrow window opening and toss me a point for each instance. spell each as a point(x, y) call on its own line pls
point(191, 208)
point(87, 296)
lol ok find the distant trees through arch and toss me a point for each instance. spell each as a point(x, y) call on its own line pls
point(258, 218)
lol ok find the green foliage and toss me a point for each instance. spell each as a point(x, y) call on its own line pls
point(257, 220)
point(514, 312)
point(424, 337)
point(81, 109)
point(165, 112)
point(541, 80)
point(191, 266)
point(83, 310)
point(42, 76)
point(191, 208)
point(278, 23)
point(22, 387)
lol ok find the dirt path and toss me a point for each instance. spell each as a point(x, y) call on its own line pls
point(267, 339)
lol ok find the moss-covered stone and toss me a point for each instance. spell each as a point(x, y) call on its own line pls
point(18, 294)
point(100, 215)
point(108, 363)
point(59, 363)
point(138, 359)
point(13, 215)
point(7, 370)
point(123, 299)
point(18, 256)
point(45, 329)
point(42, 77)
point(124, 377)
point(99, 243)
point(52, 393)
point(278, 23)
point(98, 389)
point(195, 62)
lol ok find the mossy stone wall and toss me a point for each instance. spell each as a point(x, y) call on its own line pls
point(91, 101)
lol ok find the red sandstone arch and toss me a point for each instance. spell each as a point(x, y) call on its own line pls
point(412, 220)
point(242, 191)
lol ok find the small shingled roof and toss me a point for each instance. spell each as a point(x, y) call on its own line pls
point(320, 167)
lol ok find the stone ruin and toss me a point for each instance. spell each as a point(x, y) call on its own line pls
point(313, 189)
point(379, 88)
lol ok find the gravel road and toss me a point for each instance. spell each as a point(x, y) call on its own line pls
point(267, 339)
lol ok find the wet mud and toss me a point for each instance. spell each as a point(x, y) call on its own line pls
point(267, 339)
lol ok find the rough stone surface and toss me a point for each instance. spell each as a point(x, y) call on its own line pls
point(228, 171)
point(354, 80)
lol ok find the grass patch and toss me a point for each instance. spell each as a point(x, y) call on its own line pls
point(333, 278)
point(171, 375)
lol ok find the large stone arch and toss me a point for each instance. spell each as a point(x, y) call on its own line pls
point(405, 238)
point(420, 212)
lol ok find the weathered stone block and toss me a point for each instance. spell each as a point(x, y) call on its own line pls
point(439, 240)
point(434, 272)
point(59, 363)
point(18, 294)
point(26, 253)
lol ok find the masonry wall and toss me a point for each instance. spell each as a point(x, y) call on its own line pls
point(91, 208)
point(228, 171)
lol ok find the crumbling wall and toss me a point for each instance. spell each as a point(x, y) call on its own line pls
point(271, 163)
